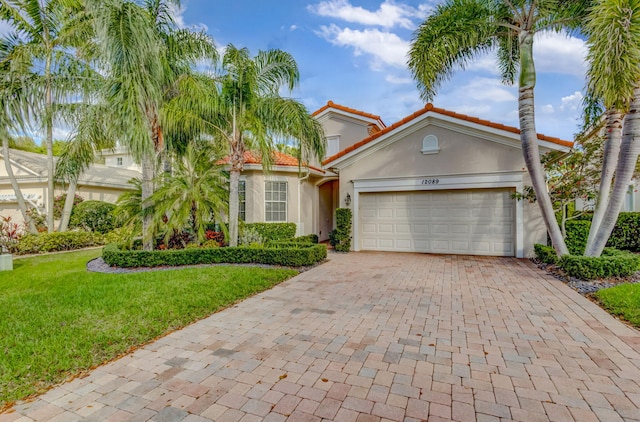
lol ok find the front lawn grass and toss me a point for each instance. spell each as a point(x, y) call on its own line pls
point(622, 301)
point(57, 319)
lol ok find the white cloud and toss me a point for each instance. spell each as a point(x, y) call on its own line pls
point(485, 89)
point(559, 53)
point(177, 13)
point(398, 80)
point(293, 27)
point(547, 109)
point(388, 15)
point(572, 102)
point(385, 47)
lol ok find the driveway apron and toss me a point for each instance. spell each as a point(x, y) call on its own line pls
point(377, 336)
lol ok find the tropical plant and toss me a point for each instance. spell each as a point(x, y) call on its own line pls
point(461, 30)
point(194, 196)
point(245, 111)
point(144, 56)
point(613, 30)
point(41, 44)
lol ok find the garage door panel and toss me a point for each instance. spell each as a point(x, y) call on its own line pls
point(462, 222)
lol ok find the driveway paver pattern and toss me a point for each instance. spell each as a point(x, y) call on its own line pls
point(377, 337)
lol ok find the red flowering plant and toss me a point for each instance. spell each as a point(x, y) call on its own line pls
point(10, 234)
point(571, 176)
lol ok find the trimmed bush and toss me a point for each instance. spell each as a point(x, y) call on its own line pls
point(614, 264)
point(308, 238)
point(340, 238)
point(271, 231)
point(577, 236)
point(57, 241)
point(545, 253)
point(282, 253)
point(626, 233)
point(95, 216)
point(58, 204)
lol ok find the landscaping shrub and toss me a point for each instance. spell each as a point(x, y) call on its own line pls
point(577, 236)
point(58, 204)
point(217, 236)
point(626, 233)
point(271, 231)
point(95, 216)
point(308, 238)
point(613, 264)
point(250, 236)
point(10, 234)
point(545, 253)
point(58, 241)
point(340, 238)
point(281, 254)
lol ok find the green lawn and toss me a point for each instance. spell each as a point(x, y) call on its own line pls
point(622, 301)
point(57, 319)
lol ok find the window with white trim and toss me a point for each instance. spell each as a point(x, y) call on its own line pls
point(242, 200)
point(275, 201)
point(119, 161)
point(333, 146)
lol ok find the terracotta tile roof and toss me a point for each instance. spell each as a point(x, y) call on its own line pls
point(278, 159)
point(430, 107)
point(331, 104)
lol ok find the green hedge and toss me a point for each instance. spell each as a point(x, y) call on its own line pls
point(95, 216)
point(57, 241)
point(546, 253)
point(612, 265)
point(625, 234)
point(272, 231)
point(308, 238)
point(340, 238)
point(290, 255)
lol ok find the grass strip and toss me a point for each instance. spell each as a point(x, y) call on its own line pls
point(622, 301)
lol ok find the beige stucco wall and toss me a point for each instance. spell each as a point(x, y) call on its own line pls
point(349, 130)
point(460, 154)
point(301, 198)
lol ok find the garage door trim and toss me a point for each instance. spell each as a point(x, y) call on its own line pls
point(446, 182)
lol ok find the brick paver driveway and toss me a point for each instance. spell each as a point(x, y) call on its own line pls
point(377, 336)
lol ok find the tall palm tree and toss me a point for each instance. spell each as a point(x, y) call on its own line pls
point(41, 44)
point(461, 30)
point(145, 56)
point(245, 111)
point(613, 28)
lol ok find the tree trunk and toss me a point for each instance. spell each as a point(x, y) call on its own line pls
point(627, 159)
point(49, 142)
point(613, 135)
point(16, 188)
point(237, 164)
point(147, 191)
point(68, 206)
point(529, 139)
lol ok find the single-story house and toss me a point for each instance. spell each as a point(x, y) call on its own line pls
point(436, 181)
point(99, 182)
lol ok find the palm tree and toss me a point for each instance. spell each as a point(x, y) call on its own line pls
point(145, 56)
point(614, 77)
point(194, 195)
point(245, 111)
point(461, 30)
point(41, 44)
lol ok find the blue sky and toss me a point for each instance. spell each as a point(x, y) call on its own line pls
point(353, 52)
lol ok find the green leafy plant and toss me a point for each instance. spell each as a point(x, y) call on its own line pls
point(58, 241)
point(545, 253)
point(308, 238)
point(10, 234)
point(250, 236)
point(95, 216)
point(620, 264)
point(340, 238)
point(58, 204)
point(291, 255)
point(271, 231)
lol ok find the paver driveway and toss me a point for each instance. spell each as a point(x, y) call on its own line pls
point(377, 336)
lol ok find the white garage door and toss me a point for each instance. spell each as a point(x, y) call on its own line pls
point(469, 222)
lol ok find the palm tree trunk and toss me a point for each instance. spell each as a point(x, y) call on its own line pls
point(627, 160)
point(613, 136)
point(529, 139)
point(16, 188)
point(147, 191)
point(49, 142)
point(237, 163)
point(68, 206)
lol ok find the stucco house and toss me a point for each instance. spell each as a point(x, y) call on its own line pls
point(436, 181)
point(99, 182)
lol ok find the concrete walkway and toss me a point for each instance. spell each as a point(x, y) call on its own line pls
point(377, 336)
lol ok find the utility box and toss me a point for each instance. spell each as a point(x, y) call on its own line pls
point(6, 262)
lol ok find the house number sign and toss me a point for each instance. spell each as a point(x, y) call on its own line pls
point(430, 181)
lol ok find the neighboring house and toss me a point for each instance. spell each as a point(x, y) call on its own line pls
point(119, 157)
point(98, 182)
point(436, 182)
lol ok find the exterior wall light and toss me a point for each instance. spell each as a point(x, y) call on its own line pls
point(347, 200)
